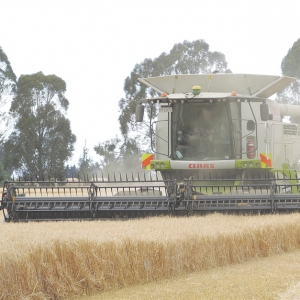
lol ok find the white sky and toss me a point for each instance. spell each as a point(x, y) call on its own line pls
point(93, 45)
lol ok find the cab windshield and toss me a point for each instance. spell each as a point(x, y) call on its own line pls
point(200, 131)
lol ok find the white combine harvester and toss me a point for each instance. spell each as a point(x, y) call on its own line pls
point(220, 145)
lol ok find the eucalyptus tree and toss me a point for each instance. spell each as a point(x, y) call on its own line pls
point(7, 90)
point(117, 156)
point(42, 140)
point(184, 58)
point(290, 66)
point(110, 159)
point(87, 168)
point(7, 77)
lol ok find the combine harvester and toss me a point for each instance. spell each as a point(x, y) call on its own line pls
point(220, 146)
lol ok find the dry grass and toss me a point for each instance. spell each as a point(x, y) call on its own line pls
point(56, 260)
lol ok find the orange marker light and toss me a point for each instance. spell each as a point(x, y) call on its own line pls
point(233, 93)
point(164, 94)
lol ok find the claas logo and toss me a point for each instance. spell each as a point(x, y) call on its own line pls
point(201, 166)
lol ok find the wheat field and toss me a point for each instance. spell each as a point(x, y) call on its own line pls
point(57, 260)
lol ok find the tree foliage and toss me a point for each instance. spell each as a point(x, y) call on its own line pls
point(130, 153)
point(7, 77)
point(7, 88)
point(71, 171)
point(86, 166)
point(184, 58)
point(290, 66)
point(109, 156)
point(41, 141)
point(4, 174)
point(117, 156)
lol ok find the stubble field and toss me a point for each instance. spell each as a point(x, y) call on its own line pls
point(56, 260)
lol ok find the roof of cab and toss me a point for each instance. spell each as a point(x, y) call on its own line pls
point(248, 84)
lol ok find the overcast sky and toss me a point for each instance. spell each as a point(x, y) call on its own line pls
point(93, 45)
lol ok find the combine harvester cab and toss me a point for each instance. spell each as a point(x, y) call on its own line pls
point(220, 146)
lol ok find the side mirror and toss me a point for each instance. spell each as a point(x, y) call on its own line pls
point(139, 113)
point(264, 112)
point(250, 125)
